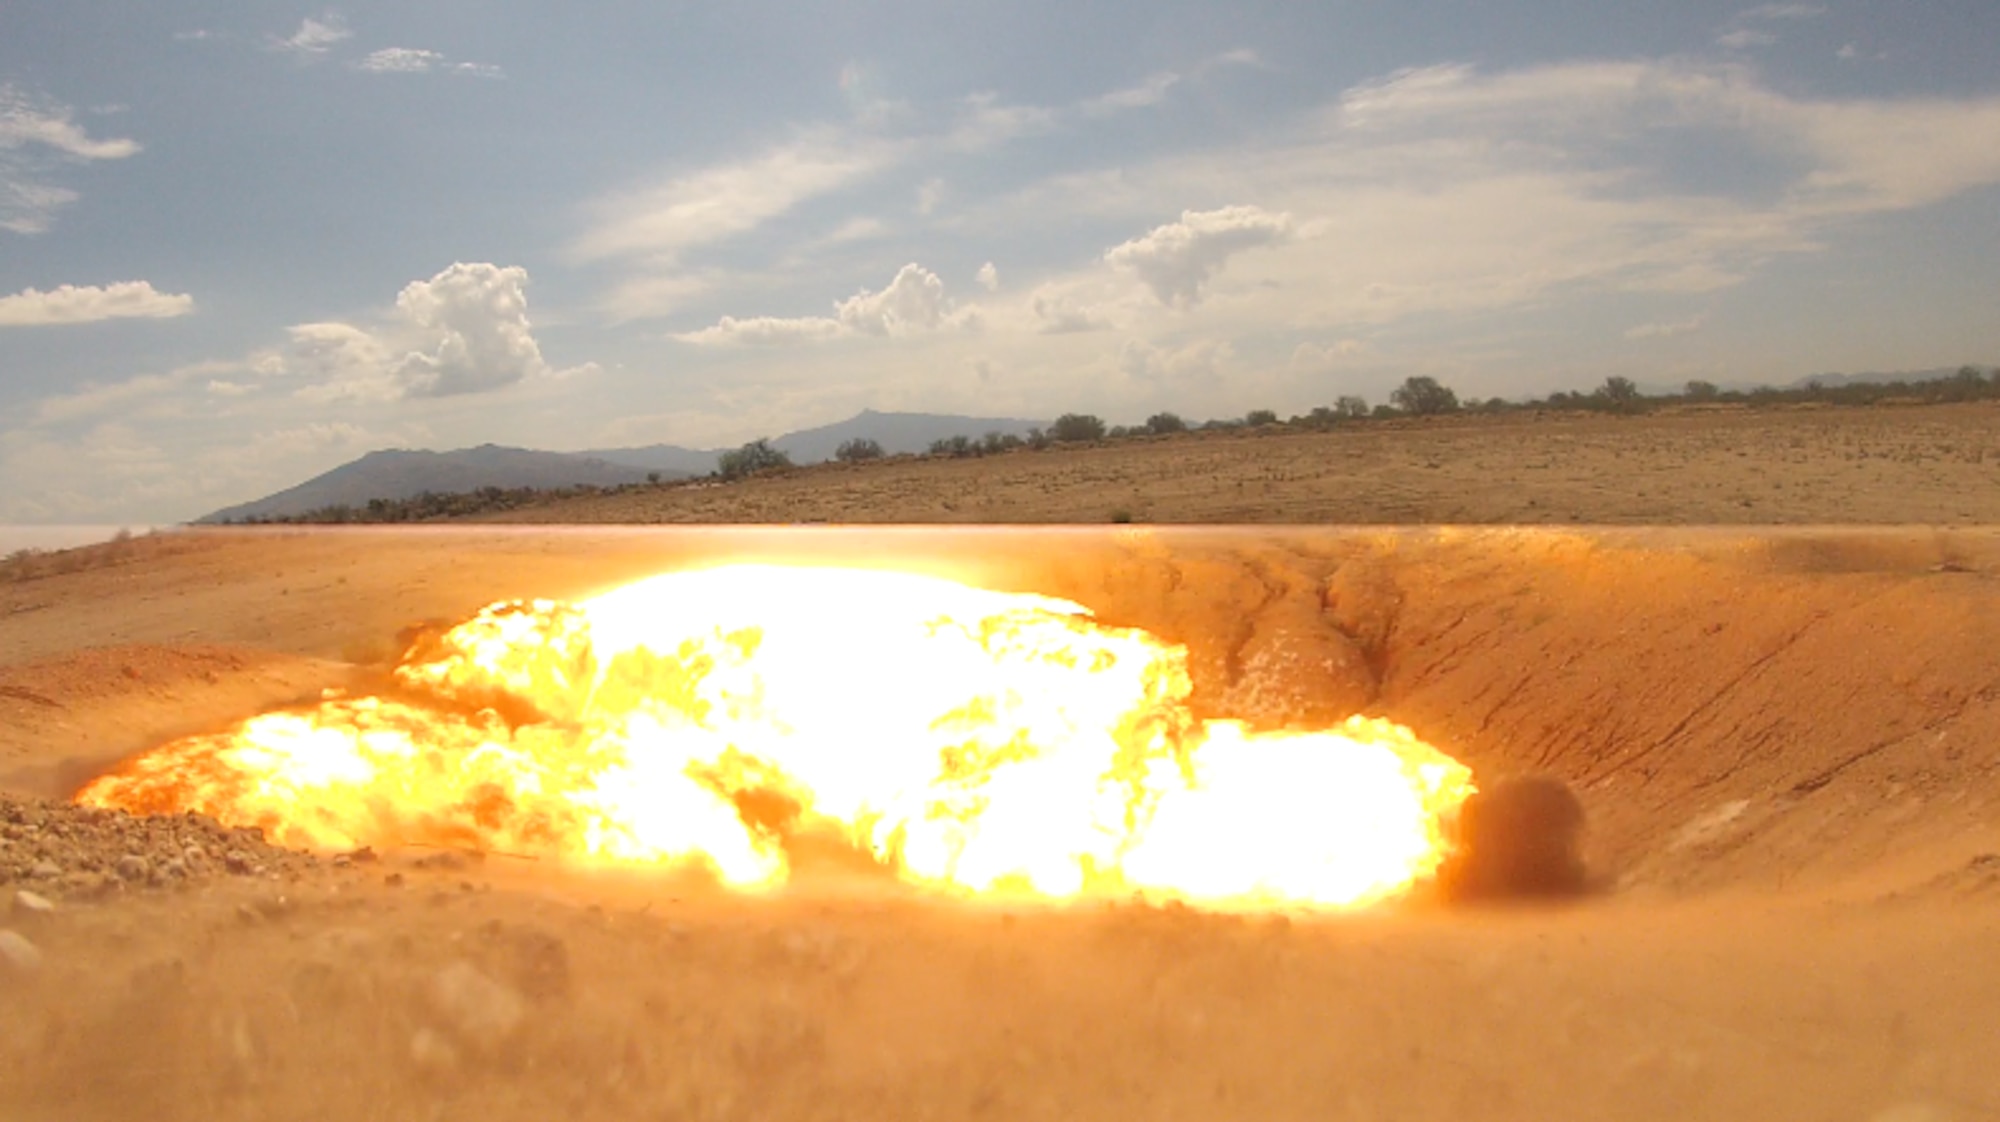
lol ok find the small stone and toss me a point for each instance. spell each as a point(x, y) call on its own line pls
point(432, 1051)
point(393, 880)
point(133, 867)
point(478, 1010)
point(27, 903)
point(45, 870)
point(90, 886)
point(239, 862)
point(175, 869)
point(17, 955)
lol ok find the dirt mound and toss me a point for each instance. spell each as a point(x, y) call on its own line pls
point(64, 719)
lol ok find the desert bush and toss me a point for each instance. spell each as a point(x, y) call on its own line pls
point(1620, 395)
point(756, 456)
point(1350, 407)
point(1076, 427)
point(1968, 384)
point(1699, 390)
point(858, 449)
point(1160, 424)
point(1258, 418)
point(994, 443)
point(1424, 396)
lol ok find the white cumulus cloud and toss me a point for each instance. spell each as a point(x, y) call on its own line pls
point(913, 302)
point(463, 331)
point(91, 303)
point(989, 277)
point(1178, 260)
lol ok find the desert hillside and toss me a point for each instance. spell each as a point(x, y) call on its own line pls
point(1922, 464)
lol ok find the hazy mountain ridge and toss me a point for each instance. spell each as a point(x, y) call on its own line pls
point(405, 473)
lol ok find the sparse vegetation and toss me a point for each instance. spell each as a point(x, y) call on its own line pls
point(1418, 396)
point(1424, 397)
point(1072, 428)
point(857, 450)
point(754, 457)
point(1621, 395)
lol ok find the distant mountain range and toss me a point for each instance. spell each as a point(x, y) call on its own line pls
point(1830, 381)
point(402, 474)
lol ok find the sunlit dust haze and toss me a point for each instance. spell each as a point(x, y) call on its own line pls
point(972, 742)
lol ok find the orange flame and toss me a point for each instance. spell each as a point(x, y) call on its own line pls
point(970, 740)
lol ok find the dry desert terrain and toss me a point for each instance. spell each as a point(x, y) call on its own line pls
point(1787, 740)
point(1721, 466)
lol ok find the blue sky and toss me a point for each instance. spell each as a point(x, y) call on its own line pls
point(241, 243)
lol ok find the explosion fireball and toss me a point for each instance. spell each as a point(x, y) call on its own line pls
point(971, 741)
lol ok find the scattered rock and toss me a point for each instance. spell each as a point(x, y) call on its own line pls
point(27, 903)
point(17, 955)
point(431, 1051)
point(239, 862)
point(82, 851)
point(477, 1010)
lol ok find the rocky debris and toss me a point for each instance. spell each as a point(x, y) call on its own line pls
point(18, 956)
point(79, 852)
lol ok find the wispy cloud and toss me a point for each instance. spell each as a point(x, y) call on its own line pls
point(415, 60)
point(1665, 330)
point(1744, 38)
point(653, 230)
point(719, 202)
point(1784, 11)
point(36, 137)
point(72, 304)
point(315, 37)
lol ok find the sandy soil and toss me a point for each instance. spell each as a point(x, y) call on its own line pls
point(1788, 742)
point(1931, 464)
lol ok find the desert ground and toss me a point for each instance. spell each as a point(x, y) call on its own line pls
point(1699, 466)
point(1786, 737)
